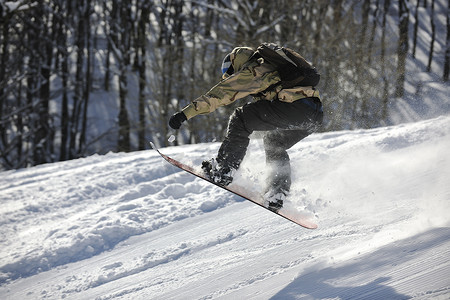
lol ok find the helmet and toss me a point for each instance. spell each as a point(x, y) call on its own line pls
point(234, 61)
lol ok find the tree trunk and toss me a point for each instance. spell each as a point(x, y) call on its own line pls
point(416, 28)
point(3, 64)
point(42, 138)
point(447, 48)
point(433, 37)
point(87, 83)
point(124, 143)
point(373, 32)
point(107, 29)
point(79, 83)
point(402, 48)
point(141, 58)
point(385, 99)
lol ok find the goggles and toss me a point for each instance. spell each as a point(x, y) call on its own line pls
point(227, 67)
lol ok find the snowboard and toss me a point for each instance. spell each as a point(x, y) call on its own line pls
point(290, 213)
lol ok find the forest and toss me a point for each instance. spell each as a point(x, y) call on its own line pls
point(94, 76)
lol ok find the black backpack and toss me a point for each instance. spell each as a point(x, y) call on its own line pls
point(293, 69)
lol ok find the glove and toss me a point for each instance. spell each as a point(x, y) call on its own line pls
point(176, 120)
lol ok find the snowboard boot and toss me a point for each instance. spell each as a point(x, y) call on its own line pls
point(221, 175)
point(275, 198)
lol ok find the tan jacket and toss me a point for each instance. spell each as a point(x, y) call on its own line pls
point(253, 77)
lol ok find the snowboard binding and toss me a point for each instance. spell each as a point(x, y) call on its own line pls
point(274, 199)
point(221, 175)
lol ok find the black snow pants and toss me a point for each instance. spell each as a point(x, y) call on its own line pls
point(284, 124)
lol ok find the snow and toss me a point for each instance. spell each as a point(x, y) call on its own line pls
point(131, 226)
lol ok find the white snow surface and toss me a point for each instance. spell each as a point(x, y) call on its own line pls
point(131, 226)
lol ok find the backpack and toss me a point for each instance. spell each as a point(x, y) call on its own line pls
point(293, 69)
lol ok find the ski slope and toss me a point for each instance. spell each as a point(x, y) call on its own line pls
point(131, 226)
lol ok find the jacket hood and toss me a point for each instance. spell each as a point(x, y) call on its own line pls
point(239, 56)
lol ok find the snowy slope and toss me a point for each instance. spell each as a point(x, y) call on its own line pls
point(130, 226)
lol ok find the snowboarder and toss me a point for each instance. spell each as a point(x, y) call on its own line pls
point(285, 109)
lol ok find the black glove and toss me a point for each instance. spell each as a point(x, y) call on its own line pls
point(176, 120)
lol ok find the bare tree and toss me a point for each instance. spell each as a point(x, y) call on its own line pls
point(385, 95)
point(416, 28)
point(153, 58)
point(433, 37)
point(447, 47)
point(402, 46)
point(140, 58)
point(123, 30)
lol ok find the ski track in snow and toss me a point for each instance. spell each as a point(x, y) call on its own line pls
point(130, 226)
